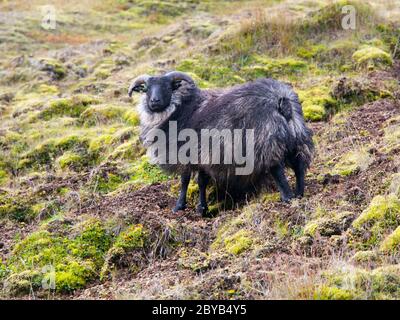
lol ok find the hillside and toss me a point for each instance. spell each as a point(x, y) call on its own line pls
point(80, 201)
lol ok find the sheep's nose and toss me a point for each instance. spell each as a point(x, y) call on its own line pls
point(155, 100)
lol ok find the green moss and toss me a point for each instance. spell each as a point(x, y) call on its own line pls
point(314, 112)
point(128, 241)
point(102, 74)
point(70, 160)
point(372, 57)
point(3, 177)
point(132, 238)
point(47, 151)
point(130, 150)
point(212, 72)
point(48, 90)
point(109, 182)
point(239, 242)
point(317, 103)
point(18, 207)
point(333, 293)
point(75, 260)
point(352, 162)
point(102, 114)
point(267, 67)
point(329, 17)
point(131, 117)
point(356, 91)
point(281, 228)
point(329, 226)
point(385, 282)
point(101, 143)
point(391, 243)
point(53, 68)
point(381, 216)
point(311, 51)
point(365, 257)
point(234, 236)
point(380, 283)
point(143, 172)
point(72, 107)
point(381, 209)
point(92, 241)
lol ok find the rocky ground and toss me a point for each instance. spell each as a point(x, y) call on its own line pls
point(80, 202)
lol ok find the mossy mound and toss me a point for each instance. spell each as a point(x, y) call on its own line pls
point(367, 257)
point(143, 172)
point(72, 262)
point(129, 150)
point(130, 241)
point(71, 160)
point(372, 57)
point(18, 207)
point(131, 117)
point(317, 103)
point(53, 67)
point(49, 150)
point(268, 67)
point(352, 163)
point(329, 226)
point(391, 244)
point(211, 72)
point(380, 283)
point(330, 17)
point(355, 91)
point(102, 114)
point(379, 218)
point(72, 107)
point(235, 235)
point(238, 242)
point(332, 293)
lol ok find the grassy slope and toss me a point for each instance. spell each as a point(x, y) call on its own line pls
point(77, 193)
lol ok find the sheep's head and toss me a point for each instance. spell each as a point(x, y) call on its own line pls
point(159, 90)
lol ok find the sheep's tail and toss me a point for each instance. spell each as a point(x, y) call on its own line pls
point(285, 108)
point(290, 108)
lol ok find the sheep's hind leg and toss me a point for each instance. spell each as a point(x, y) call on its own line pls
point(203, 180)
point(181, 203)
point(278, 173)
point(299, 168)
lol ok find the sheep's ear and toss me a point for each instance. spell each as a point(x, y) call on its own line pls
point(176, 84)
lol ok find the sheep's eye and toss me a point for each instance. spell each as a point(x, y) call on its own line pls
point(142, 88)
point(176, 84)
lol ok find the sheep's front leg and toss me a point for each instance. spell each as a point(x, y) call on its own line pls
point(181, 203)
point(278, 173)
point(203, 180)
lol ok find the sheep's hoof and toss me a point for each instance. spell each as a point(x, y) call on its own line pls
point(203, 211)
point(179, 207)
point(286, 199)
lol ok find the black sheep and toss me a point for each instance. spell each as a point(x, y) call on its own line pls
point(269, 107)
